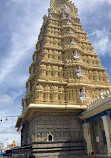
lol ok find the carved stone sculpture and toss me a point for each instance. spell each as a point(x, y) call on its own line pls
point(70, 30)
point(79, 72)
point(69, 17)
point(68, 22)
point(63, 15)
point(65, 8)
point(49, 13)
point(76, 55)
point(72, 41)
point(83, 96)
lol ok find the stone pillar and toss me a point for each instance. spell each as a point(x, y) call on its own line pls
point(87, 137)
point(47, 96)
point(107, 127)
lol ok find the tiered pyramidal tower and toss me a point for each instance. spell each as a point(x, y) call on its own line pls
point(65, 75)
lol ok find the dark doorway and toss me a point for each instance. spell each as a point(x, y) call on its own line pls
point(50, 138)
point(98, 137)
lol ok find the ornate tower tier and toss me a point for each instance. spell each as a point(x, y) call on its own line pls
point(64, 62)
point(65, 75)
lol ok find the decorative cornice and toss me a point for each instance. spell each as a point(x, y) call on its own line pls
point(52, 82)
point(88, 85)
point(54, 63)
point(41, 107)
point(86, 66)
point(98, 105)
point(53, 48)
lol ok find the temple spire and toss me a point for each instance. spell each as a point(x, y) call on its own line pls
point(64, 57)
point(65, 75)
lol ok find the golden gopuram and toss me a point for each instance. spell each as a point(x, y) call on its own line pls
point(66, 77)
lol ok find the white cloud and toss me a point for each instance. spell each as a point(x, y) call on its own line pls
point(109, 15)
point(101, 41)
point(24, 35)
point(20, 46)
point(89, 5)
point(5, 98)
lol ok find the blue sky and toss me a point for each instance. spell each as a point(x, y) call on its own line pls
point(20, 23)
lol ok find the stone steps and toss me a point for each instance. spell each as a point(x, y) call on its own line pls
point(62, 156)
point(59, 150)
point(56, 144)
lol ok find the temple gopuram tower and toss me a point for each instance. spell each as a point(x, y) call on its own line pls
point(65, 75)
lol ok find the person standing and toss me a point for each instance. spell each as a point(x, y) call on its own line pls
point(93, 155)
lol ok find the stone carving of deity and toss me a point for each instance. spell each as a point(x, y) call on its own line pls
point(41, 87)
point(83, 96)
point(38, 87)
point(68, 22)
point(49, 13)
point(79, 72)
point(76, 55)
point(70, 31)
point(65, 8)
point(63, 15)
point(69, 17)
point(47, 88)
point(72, 41)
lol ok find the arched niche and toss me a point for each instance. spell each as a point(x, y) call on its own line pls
point(50, 137)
